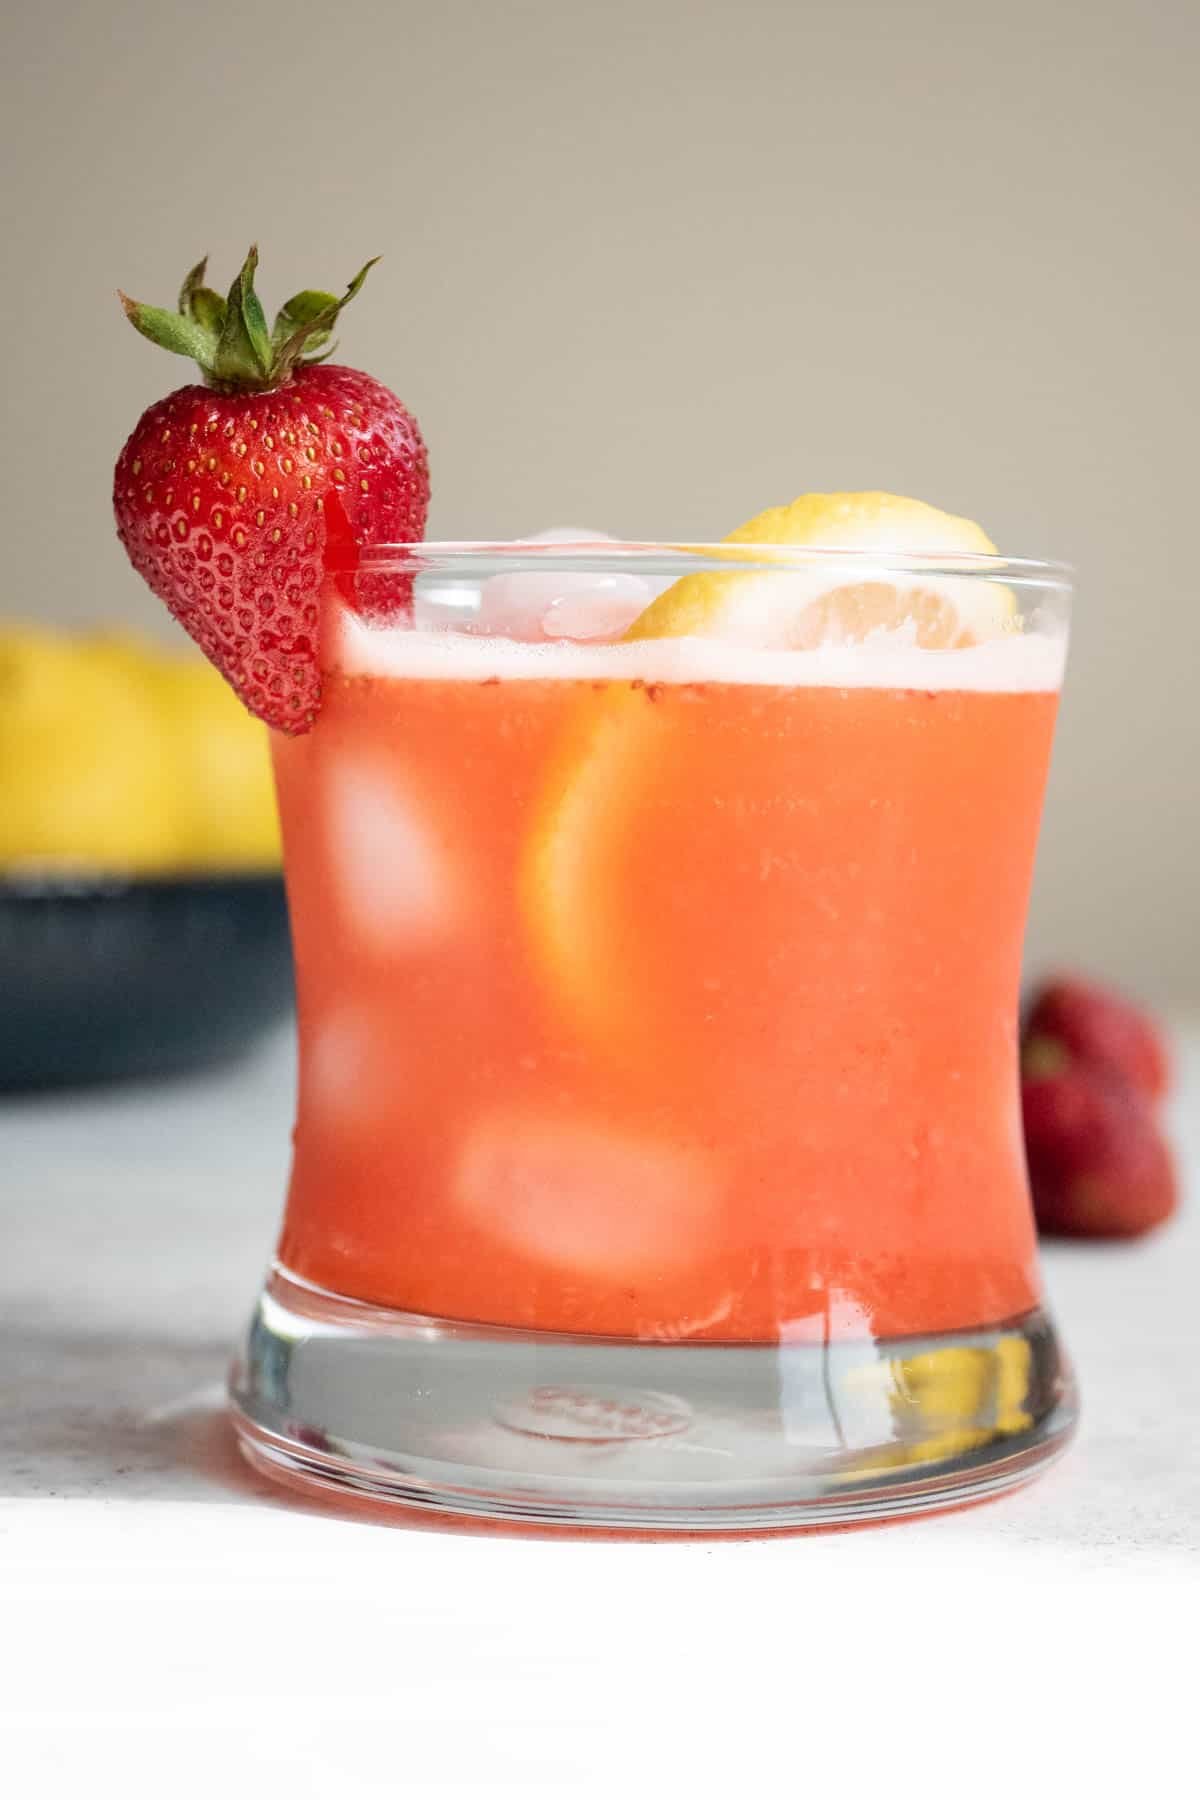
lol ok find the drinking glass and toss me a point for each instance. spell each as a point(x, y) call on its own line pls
point(658, 1157)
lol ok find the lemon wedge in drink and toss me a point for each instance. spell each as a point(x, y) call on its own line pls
point(631, 773)
point(820, 600)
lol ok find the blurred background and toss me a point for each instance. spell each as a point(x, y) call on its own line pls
point(651, 266)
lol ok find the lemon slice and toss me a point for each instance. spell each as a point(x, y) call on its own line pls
point(821, 602)
point(630, 773)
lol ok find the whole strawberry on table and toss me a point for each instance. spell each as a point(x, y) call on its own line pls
point(1094, 1071)
point(230, 495)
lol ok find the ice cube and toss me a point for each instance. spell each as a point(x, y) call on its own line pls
point(445, 605)
point(536, 605)
point(395, 882)
point(359, 1061)
point(569, 534)
point(584, 1196)
point(338, 1058)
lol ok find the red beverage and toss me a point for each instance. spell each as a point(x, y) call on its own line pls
point(658, 1153)
point(663, 1009)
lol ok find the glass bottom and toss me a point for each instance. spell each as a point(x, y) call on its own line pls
point(539, 1428)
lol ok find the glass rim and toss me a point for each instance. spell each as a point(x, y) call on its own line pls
point(467, 557)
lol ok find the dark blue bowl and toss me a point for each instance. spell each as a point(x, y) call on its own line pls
point(104, 980)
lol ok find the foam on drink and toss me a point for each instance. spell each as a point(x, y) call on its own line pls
point(1016, 663)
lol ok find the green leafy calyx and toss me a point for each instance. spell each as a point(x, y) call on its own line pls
point(230, 338)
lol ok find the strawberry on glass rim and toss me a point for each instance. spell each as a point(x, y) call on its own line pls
point(229, 494)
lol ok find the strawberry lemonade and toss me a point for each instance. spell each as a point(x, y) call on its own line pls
point(669, 997)
point(658, 920)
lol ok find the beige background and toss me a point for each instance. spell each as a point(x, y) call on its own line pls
point(650, 266)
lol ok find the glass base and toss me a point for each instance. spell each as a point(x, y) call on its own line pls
point(546, 1429)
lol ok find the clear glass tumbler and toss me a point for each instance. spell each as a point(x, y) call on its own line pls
point(658, 1157)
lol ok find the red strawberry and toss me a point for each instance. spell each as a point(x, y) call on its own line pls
point(227, 495)
point(1095, 1026)
point(1098, 1164)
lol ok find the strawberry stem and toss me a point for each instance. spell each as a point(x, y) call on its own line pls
point(243, 355)
point(193, 281)
point(230, 339)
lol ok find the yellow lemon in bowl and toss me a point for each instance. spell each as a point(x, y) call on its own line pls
point(121, 758)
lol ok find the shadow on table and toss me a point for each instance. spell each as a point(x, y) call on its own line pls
point(102, 1417)
point(127, 1420)
point(99, 1417)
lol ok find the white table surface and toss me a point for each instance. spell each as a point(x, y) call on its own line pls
point(174, 1626)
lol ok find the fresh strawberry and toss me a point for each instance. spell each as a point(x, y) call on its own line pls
point(228, 496)
point(1098, 1164)
point(1093, 1025)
